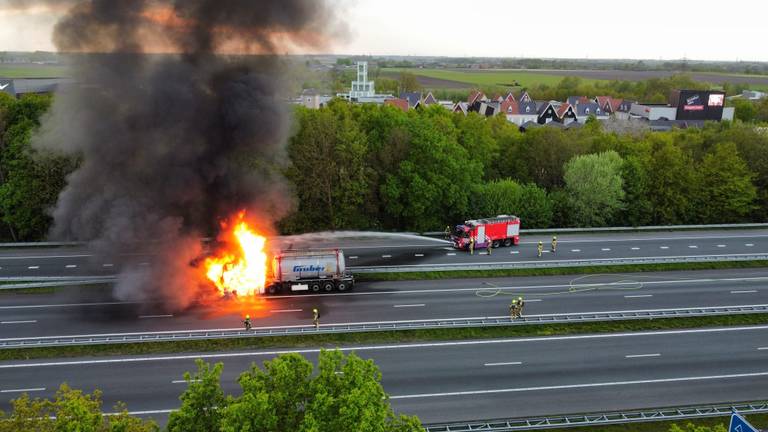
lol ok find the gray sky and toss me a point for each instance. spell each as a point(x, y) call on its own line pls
point(652, 29)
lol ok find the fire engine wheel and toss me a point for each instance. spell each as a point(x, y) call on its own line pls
point(496, 243)
point(315, 287)
point(328, 286)
point(341, 286)
point(507, 242)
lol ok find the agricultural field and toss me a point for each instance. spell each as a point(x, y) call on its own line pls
point(31, 70)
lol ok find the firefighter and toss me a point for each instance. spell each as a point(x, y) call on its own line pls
point(447, 232)
point(471, 245)
point(247, 322)
point(489, 246)
point(520, 305)
point(554, 243)
point(513, 309)
point(316, 318)
point(540, 248)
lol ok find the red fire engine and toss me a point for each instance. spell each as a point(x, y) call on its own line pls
point(501, 230)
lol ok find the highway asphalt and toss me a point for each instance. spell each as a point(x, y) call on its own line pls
point(466, 380)
point(91, 310)
point(367, 250)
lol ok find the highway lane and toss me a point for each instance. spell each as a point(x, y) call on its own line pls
point(464, 380)
point(413, 250)
point(94, 311)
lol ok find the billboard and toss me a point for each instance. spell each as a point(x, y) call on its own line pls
point(700, 105)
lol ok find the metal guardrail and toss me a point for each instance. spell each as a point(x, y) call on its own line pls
point(184, 335)
point(600, 419)
point(13, 286)
point(556, 263)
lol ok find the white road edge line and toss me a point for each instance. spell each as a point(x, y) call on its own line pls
point(26, 390)
point(584, 385)
point(19, 322)
point(184, 381)
point(193, 356)
point(409, 305)
point(642, 355)
point(503, 364)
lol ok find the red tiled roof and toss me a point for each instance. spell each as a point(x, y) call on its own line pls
point(602, 100)
point(615, 103)
point(510, 97)
point(398, 103)
point(563, 109)
point(510, 107)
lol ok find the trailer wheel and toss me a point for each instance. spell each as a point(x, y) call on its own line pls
point(315, 287)
point(272, 289)
point(507, 242)
point(328, 286)
point(341, 286)
point(495, 244)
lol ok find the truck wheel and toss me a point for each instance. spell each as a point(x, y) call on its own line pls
point(328, 286)
point(315, 287)
point(341, 286)
point(272, 289)
point(495, 244)
point(507, 242)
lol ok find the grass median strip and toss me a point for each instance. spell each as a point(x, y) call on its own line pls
point(557, 271)
point(757, 420)
point(399, 336)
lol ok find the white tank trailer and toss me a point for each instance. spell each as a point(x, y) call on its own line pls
point(314, 271)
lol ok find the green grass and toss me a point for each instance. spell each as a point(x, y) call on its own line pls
point(489, 78)
point(557, 271)
point(399, 336)
point(33, 71)
point(757, 420)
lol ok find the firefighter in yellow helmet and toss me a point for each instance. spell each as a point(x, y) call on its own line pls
point(247, 322)
point(540, 249)
point(520, 305)
point(471, 245)
point(554, 243)
point(316, 318)
point(513, 309)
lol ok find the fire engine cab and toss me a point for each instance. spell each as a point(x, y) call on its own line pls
point(501, 230)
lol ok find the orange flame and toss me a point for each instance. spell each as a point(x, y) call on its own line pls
point(242, 271)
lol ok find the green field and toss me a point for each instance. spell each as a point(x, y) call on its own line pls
point(488, 78)
point(32, 71)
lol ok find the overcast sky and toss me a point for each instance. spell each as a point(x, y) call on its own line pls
point(650, 29)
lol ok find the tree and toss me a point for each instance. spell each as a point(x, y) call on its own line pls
point(528, 201)
point(671, 185)
point(202, 403)
point(725, 190)
point(476, 136)
point(70, 410)
point(744, 110)
point(595, 188)
point(409, 83)
point(638, 210)
point(345, 395)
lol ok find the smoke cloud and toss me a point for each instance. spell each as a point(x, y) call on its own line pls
point(175, 128)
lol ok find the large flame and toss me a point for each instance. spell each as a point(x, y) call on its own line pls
point(241, 269)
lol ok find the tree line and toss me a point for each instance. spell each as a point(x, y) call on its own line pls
point(374, 167)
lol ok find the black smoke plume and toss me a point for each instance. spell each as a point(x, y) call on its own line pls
point(176, 128)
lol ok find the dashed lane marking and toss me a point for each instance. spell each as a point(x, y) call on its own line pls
point(386, 256)
point(748, 244)
point(605, 249)
point(409, 305)
point(693, 247)
point(107, 265)
point(71, 266)
point(19, 322)
point(503, 364)
point(25, 390)
point(156, 316)
point(642, 355)
point(353, 257)
point(419, 255)
point(33, 267)
point(515, 252)
point(638, 296)
point(663, 247)
point(184, 381)
point(575, 250)
point(743, 291)
point(721, 246)
point(635, 248)
point(285, 310)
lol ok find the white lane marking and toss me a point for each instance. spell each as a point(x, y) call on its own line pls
point(285, 310)
point(419, 255)
point(743, 291)
point(33, 267)
point(575, 250)
point(184, 381)
point(605, 249)
point(545, 251)
point(451, 254)
point(64, 305)
point(515, 252)
point(681, 238)
point(762, 348)
point(409, 305)
point(503, 364)
point(635, 248)
point(721, 246)
point(156, 316)
point(642, 355)
point(26, 390)
point(19, 322)
point(692, 247)
point(663, 247)
point(353, 257)
point(638, 296)
point(107, 265)
point(193, 356)
point(71, 266)
point(748, 244)
point(584, 385)
point(19, 257)
point(532, 300)
point(386, 256)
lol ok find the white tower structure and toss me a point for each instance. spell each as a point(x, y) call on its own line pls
point(362, 87)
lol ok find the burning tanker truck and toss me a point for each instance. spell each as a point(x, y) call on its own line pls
point(315, 271)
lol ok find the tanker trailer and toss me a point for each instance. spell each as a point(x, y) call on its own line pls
point(314, 271)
